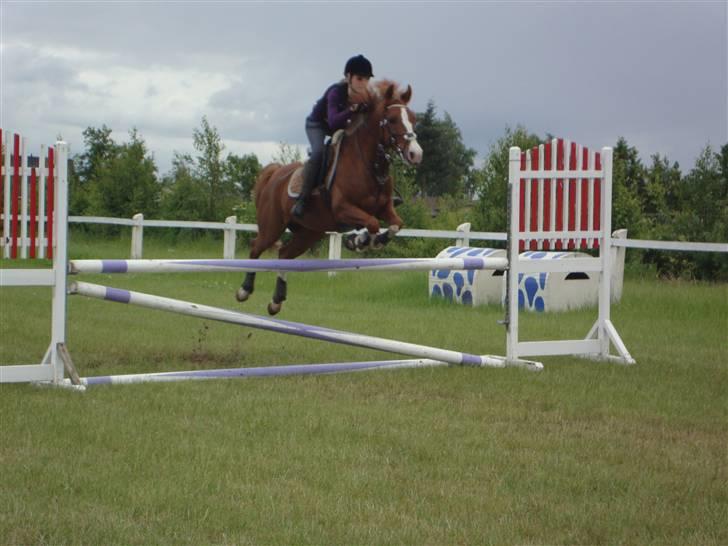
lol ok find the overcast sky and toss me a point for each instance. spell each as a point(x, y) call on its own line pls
point(652, 72)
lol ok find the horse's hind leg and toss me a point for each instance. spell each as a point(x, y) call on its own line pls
point(301, 241)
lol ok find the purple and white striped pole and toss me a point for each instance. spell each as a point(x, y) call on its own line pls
point(293, 328)
point(265, 371)
point(246, 266)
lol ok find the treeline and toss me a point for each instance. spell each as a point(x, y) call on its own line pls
point(654, 201)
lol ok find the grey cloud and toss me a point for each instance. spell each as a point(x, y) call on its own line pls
point(652, 72)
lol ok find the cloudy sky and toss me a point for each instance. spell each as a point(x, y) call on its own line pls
point(652, 72)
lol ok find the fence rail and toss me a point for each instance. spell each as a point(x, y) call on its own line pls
point(461, 236)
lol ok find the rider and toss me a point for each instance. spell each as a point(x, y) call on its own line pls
point(331, 112)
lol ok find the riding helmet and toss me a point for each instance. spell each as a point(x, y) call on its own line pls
point(359, 66)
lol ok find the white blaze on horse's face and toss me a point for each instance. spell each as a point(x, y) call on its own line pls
point(412, 152)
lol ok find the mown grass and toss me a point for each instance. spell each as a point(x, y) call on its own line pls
point(582, 453)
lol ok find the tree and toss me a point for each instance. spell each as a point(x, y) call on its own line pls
point(126, 182)
point(491, 181)
point(183, 196)
point(99, 149)
point(447, 162)
point(210, 170)
point(240, 172)
point(628, 184)
point(702, 213)
point(287, 153)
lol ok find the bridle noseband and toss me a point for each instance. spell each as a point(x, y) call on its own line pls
point(391, 142)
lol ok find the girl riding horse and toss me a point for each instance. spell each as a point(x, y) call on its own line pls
point(361, 193)
point(333, 111)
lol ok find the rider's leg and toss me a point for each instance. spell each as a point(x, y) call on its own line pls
point(316, 135)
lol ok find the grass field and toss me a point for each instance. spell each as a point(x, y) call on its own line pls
point(582, 453)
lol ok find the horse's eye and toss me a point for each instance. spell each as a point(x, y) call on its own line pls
point(392, 120)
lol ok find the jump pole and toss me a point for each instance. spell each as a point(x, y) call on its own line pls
point(294, 328)
point(264, 371)
point(283, 266)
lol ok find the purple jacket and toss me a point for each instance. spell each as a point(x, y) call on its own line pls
point(332, 110)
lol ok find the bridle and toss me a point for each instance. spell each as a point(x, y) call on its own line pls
point(392, 142)
point(387, 142)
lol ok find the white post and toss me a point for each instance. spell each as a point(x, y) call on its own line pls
point(23, 243)
point(335, 241)
point(60, 262)
point(229, 235)
point(137, 236)
point(617, 259)
point(514, 165)
point(465, 239)
point(605, 253)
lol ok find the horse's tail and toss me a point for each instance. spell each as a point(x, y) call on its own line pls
point(263, 178)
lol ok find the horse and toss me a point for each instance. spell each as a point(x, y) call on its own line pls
point(360, 196)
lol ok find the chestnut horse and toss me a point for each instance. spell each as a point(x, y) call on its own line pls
point(360, 196)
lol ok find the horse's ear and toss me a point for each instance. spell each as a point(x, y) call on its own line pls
point(407, 95)
point(390, 92)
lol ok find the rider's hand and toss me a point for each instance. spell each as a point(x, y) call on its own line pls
point(360, 107)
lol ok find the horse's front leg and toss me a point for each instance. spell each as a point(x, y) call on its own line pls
point(354, 216)
point(391, 217)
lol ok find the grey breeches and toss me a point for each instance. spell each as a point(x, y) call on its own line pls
point(316, 135)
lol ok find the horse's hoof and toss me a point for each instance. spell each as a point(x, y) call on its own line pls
point(350, 243)
point(274, 308)
point(242, 295)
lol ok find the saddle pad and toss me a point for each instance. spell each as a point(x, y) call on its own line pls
point(295, 183)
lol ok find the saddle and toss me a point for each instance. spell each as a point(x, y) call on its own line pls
point(330, 159)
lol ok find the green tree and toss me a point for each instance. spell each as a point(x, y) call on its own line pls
point(702, 213)
point(183, 196)
point(220, 191)
point(85, 167)
point(126, 182)
point(628, 182)
point(447, 162)
point(491, 181)
point(240, 172)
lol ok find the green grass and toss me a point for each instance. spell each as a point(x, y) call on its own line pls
point(581, 453)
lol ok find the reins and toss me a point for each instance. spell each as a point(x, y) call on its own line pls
point(383, 159)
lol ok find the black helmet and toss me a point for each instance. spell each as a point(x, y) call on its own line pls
point(359, 66)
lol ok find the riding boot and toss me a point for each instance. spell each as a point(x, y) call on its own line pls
point(310, 176)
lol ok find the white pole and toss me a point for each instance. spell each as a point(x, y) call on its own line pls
point(60, 261)
point(465, 239)
point(514, 166)
point(137, 236)
point(229, 236)
point(605, 253)
point(335, 241)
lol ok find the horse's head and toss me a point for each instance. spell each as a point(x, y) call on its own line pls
point(397, 123)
